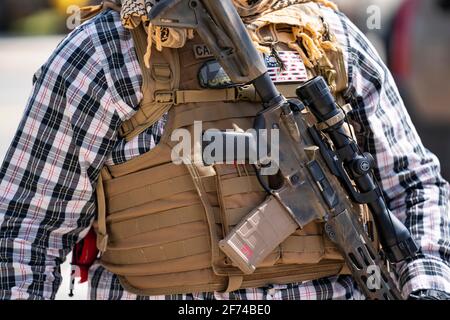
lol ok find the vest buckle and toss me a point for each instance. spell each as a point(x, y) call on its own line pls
point(165, 97)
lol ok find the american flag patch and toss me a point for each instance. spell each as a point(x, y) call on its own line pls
point(294, 68)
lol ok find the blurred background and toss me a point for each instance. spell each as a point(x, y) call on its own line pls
point(412, 36)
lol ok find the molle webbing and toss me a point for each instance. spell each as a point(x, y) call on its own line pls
point(154, 238)
point(159, 223)
point(140, 121)
point(162, 240)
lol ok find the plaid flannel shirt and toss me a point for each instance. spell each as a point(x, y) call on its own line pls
point(91, 84)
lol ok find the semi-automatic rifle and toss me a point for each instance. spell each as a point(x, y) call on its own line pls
point(324, 174)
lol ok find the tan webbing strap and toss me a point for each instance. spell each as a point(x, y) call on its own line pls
point(234, 283)
point(212, 113)
point(194, 262)
point(220, 215)
point(340, 116)
point(210, 217)
point(158, 220)
point(142, 178)
point(155, 191)
point(310, 243)
point(102, 235)
point(335, 119)
point(233, 216)
point(178, 238)
point(164, 99)
point(211, 95)
point(288, 90)
point(158, 84)
point(241, 93)
point(240, 185)
point(89, 12)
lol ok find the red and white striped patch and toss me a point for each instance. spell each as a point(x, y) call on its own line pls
point(294, 68)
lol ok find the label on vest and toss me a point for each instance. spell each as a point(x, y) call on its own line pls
point(201, 51)
point(287, 66)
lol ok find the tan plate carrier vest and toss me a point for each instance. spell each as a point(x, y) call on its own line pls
point(159, 224)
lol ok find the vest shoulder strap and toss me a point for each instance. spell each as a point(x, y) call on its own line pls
point(159, 82)
point(88, 12)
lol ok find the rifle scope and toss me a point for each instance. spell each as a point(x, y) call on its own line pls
point(395, 238)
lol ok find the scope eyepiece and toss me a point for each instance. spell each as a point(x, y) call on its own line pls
point(316, 94)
